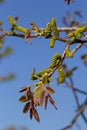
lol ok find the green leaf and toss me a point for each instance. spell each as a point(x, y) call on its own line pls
point(0, 22)
point(33, 75)
point(12, 21)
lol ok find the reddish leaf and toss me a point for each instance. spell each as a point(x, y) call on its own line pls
point(28, 94)
point(36, 116)
point(53, 104)
point(46, 101)
point(22, 99)
point(23, 89)
point(31, 113)
point(26, 107)
point(42, 97)
point(52, 101)
point(50, 90)
point(36, 101)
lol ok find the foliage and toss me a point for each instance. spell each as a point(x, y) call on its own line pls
point(40, 93)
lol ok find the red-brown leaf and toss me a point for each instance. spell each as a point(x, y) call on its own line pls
point(53, 104)
point(52, 101)
point(50, 90)
point(46, 101)
point(26, 107)
point(36, 116)
point(50, 98)
point(23, 89)
point(36, 101)
point(28, 94)
point(31, 113)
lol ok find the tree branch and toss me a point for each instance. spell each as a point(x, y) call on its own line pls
point(82, 108)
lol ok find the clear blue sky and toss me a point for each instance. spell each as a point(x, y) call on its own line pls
point(25, 57)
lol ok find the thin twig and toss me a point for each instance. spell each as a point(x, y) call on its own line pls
point(75, 89)
point(84, 105)
point(71, 85)
point(77, 47)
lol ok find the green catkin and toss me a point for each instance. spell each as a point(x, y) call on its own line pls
point(71, 34)
point(61, 77)
point(69, 53)
point(52, 42)
point(54, 27)
point(21, 29)
point(55, 60)
point(77, 33)
point(48, 29)
point(82, 29)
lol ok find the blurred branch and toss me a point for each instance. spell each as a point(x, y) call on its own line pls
point(76, 89)
point(82, 108)
point(7, 78)
point(6, 52)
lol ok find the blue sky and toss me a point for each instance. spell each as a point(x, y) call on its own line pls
point(25, 57)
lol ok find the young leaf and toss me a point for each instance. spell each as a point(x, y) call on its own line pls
point(38, 91)
point(36, 116)
point(52, 101)
point(12, 21)
point(31, 113)
point(42, 97)
point(36, 101)
point(50, 90)
point(27, 107)
point(22, 99)
point(46, 101)
point(23, 89)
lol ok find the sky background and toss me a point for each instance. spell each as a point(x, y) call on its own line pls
point(25, 57)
